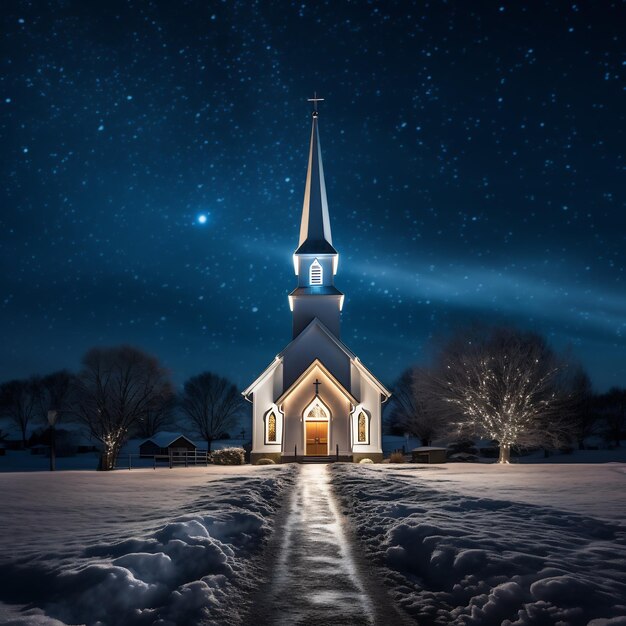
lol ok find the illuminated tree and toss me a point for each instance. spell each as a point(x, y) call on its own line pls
point(507, 386)
point(115, 389)
point(212, 404)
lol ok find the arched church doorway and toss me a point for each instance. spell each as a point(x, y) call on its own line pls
point(316, 421)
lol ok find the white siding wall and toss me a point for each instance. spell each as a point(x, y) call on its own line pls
point(370, 398)
point(264, 396)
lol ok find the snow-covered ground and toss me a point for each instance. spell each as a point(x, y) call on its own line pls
point(158, 546)
point(492, 544)
point(456, 544)
point(317, 576)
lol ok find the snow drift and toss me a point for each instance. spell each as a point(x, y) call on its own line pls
point(190, 569)
point(453, 558)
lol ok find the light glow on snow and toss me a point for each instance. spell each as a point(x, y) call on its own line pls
point(484, 544)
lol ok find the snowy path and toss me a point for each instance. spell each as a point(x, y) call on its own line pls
point(317, 577)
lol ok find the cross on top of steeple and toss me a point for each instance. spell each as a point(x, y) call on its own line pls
point(315, 100)
point(315, 235)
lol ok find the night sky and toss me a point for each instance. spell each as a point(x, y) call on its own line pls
point(474, 155)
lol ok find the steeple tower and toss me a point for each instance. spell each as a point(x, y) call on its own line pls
point(315, 260)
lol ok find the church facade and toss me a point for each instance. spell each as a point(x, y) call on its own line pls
point(316, 398)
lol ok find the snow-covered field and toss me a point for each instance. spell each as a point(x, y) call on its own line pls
point(455, 544)
point(143, 547)
point(492, 544)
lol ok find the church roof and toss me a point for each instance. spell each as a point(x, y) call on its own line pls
point(315, 247)
point(316, 363)
point(315, 235)
point(316, 324)
point(316, 290)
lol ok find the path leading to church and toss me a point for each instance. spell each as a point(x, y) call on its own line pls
point(317, 577)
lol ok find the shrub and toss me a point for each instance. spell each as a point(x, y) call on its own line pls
point(228, 456)
point(396, 457)
point(366, 461)
point(266, 462)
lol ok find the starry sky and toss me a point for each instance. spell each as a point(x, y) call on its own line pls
point(154, 158)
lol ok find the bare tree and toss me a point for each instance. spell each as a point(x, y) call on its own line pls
point(212, 404)
point(18, 403)
point(612, 409)
point(504, 385)
point(54, 393)
point(585, 419)
point(159, 418)
point(413, 411)
point(115, 389)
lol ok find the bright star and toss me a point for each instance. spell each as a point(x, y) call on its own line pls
point(202, 218)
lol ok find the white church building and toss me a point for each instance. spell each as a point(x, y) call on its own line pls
point(316, 398)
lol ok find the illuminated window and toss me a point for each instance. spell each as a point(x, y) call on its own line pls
point(316, 274)
point(362, 428)
point(271, 427)
point(317, 412)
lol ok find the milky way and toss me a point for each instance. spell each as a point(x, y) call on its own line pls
point(474, 160)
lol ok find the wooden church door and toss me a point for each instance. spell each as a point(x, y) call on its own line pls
point(316, 438)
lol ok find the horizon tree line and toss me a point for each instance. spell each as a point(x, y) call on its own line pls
point(505, 386)
point(499, 384)
point(121, 392)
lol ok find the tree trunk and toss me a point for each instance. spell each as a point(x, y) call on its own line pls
point(505, 453)
point(208, 443)
point(108, 457)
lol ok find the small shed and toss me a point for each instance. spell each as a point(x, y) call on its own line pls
point(428, 454)
point(166, 443)
point(40, 449)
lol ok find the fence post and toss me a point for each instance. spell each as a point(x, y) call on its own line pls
point(337, 452)
point(295, 453)
point(170, 459)
point(154, 460)
point(130, 461)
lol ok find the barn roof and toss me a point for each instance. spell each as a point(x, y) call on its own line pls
point(164, 440)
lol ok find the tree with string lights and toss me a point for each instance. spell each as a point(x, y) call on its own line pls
point(507, 386)
point(115, 390)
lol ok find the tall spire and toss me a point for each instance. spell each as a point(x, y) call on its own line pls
point(315, 236)
point(315, 261)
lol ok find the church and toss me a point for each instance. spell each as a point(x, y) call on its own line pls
point(316, 399)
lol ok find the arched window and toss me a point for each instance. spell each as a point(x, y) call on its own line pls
point(316, 274)
point(362, 428)
point(271, 427)
point(317, 410)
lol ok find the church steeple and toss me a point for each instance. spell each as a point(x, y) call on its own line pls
point(315, 235)
point(315, 259)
